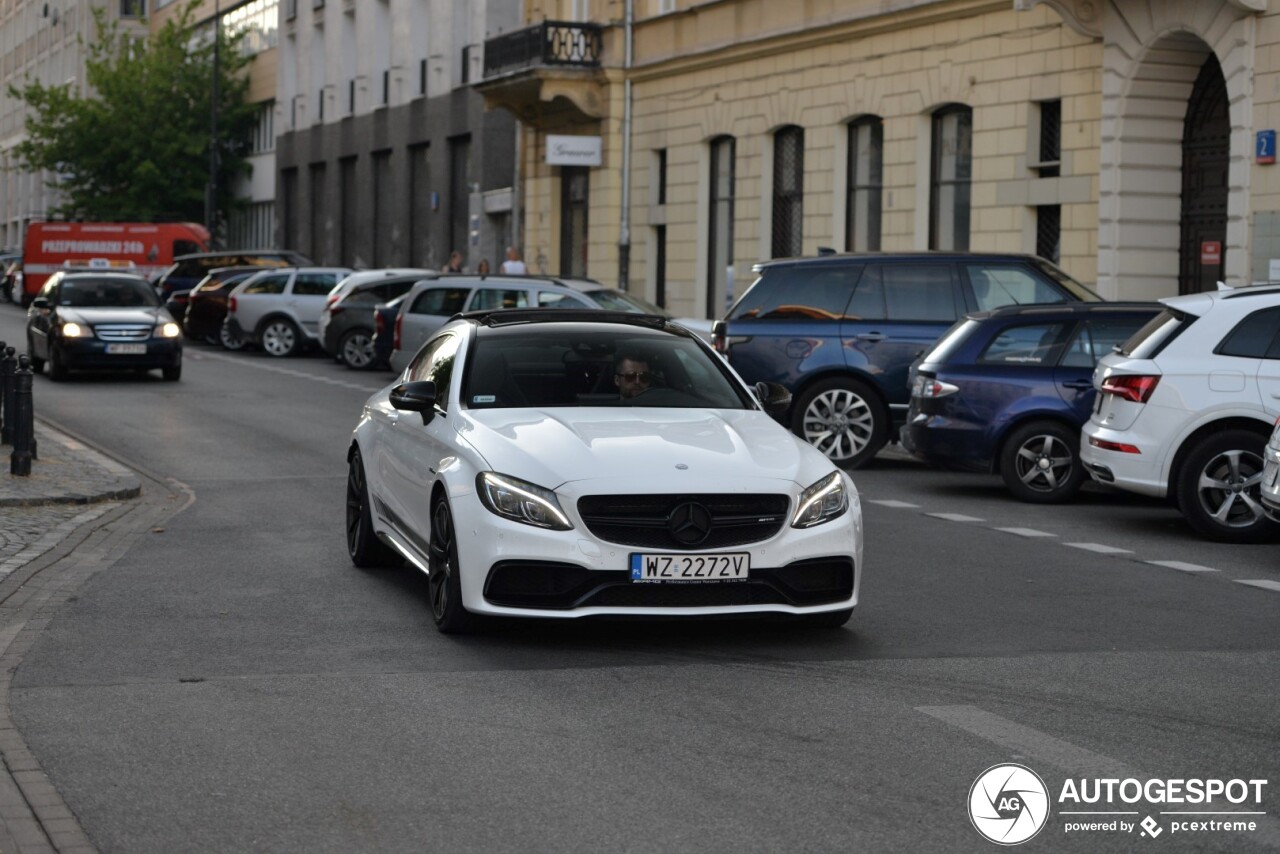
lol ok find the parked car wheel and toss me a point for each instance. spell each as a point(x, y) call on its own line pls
point(229, 340)
point(1040, 463)
point(363, 546)
point(280, 338)
point(443, 583)
point(57, 365)
point(1219, 485)
point(37, 365)
point(844, 419)
point(355, 350)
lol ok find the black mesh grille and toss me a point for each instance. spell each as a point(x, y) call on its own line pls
point(561, 586)
point(641, 520)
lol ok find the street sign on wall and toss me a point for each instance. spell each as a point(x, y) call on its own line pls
point(573, 150)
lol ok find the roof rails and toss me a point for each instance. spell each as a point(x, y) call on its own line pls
point(511, 316)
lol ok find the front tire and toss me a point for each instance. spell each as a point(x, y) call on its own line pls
point(355, 350)
point(443, 584)
point(363, 546)
point(172, 373)
point(1219, 487)
point(37, 364)
point(57, 365)
point(844, 419)
point(1040, 463)
point(280, 338)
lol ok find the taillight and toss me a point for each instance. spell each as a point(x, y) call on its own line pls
point(334, 310)
point(231, 306)
point(1114, 446)
point(928, 387)
point(331, 300)
point(395, 342)
point(1134, 387)
point(379, 323)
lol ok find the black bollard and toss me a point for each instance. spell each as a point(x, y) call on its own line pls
point(8, 364)
point(24, 428)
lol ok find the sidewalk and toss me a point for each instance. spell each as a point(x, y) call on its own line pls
point(70, 484)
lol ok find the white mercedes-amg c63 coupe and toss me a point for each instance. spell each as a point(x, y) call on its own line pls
point(561, 463)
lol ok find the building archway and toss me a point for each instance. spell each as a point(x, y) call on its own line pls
point(1153, 56)
point(1206, 154)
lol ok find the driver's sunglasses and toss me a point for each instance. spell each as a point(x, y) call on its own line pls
point(634, 376)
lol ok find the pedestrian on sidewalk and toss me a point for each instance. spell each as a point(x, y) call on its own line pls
point(455, 262)
point(513, 266)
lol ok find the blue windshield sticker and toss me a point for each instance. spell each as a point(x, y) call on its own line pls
point(484, 398)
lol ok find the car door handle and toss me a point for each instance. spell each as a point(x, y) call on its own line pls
point(1080, 384)
point(871, 336)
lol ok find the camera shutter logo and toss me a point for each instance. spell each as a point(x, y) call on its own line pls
point(1008, 804)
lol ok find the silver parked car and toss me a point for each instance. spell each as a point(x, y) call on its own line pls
point(431, 303)
point(280, 309)
point(1271, 475)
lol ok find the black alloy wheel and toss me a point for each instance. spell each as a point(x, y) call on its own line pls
point(1219, 488)
point(363, 546)
point(444, 587)
point(1040, 463)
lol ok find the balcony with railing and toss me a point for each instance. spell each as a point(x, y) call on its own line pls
point(528, 69)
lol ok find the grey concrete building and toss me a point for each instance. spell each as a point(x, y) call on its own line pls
point(385, 155)
point(45, 42)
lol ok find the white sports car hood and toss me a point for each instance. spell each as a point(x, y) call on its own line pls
point(713, 448)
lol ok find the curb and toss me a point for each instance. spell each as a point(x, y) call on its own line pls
point(68, 472)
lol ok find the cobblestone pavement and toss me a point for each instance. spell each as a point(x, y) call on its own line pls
point(70, 484)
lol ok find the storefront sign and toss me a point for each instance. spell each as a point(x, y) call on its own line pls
point(1211, 253)
point(573, 150)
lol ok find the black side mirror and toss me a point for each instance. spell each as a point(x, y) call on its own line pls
point(774, 398)
point(40, 302)
point(418, 396)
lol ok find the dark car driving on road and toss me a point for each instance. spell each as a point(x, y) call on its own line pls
point(101, 320)
point(1008, 390)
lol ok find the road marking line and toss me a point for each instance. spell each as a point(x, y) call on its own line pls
point(290, 372)
point(887, 502)
point(955, 517)
point(1181, 566)
point(1265, 584)
point(1027, 743)
point(1026, 532)
point(1099, 548)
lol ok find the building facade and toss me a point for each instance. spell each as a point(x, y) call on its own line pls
point(1125, 140)
point(385, 155)
point(44, 42)
point(253, 223)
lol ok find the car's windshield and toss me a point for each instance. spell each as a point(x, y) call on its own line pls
point(576, 365)
point(620, 301)
point(1077, 290)
point(107, 293)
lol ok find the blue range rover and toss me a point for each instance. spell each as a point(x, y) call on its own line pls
point(841, 331)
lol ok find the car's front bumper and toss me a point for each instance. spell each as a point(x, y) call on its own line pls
point(91, 353)
point(511, 569)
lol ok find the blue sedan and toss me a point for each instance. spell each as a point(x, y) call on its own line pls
point(1007, 391)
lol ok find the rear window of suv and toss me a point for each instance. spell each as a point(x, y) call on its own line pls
point(1157, 334)
point(800, 292)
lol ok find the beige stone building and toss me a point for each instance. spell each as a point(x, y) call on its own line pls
point(1121, 138)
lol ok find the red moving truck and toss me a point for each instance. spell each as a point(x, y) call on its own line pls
point(49, 246)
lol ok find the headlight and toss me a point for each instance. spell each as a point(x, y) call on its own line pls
point(521, 501)
point(168, 330)
point(822, 502)
point(72, 330)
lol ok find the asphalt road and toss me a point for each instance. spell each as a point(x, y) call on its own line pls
point(233, 684)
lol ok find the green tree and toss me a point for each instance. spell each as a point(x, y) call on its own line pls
point(137, 147)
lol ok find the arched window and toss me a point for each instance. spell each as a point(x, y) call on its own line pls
point(950, 176)
point(866, 177)
point(720, 238)
point(788, 191)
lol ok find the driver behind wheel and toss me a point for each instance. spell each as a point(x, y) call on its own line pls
point(631, 375)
